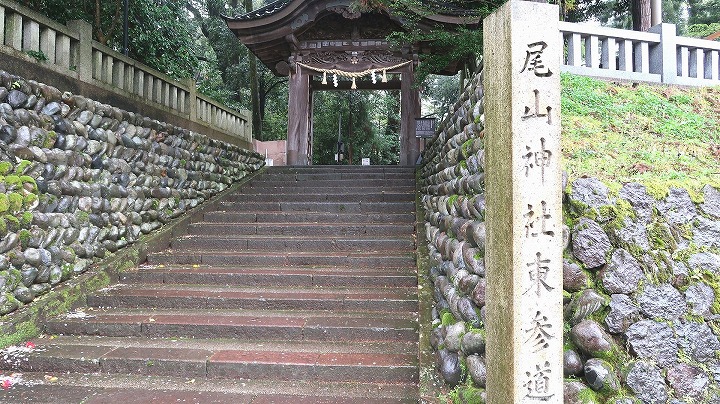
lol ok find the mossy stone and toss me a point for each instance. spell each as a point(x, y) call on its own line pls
point(15, 201)
point(4, 203)
point(13, 223)
point(5, 167)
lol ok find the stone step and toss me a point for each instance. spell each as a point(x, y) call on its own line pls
point(288, 244)
point(324, 207)
point(250, 189)
point(323, 197)
point(245, 325)
point(339, 169)
point(324, 218)
point(301, 288)
point(301, 229)
point(200, 362)
point(264, 276)
point(340, 259)
point(97, 388)
point(340, 175)
point(233, 297)
point(347, 183)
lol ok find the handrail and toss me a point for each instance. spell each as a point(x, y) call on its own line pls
point(656, 56)
point(71, 51)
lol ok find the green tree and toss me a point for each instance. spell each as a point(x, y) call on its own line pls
point(161, 33)
point(463, 45)
point(369, 127)
point(442, 92)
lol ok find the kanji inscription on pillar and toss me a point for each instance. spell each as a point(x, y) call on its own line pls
point(524, 204)
point(537, 141)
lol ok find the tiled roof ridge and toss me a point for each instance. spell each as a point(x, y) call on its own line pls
point(443, 7)
point(265, 11)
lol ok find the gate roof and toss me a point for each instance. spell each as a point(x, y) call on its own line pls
point(332, 34)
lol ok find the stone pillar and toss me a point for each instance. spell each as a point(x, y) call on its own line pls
point(298, 117)
point(410, 109)
point(663, 57)
point(83, 59)
point(31, 36)
point(191, 107)
point(524, 204)
point(311, 128)
point(13, 30)
point(655, 12)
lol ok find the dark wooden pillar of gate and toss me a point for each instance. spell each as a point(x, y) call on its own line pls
point(298, 117)
point(410, 109)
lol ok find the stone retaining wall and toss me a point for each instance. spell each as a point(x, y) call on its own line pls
point(80, 179)
point(641, 278)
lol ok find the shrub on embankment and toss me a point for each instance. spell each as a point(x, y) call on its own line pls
point(642, 256)
point(80, 180)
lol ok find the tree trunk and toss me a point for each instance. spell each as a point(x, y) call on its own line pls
point(641, 15)
point(254, 86)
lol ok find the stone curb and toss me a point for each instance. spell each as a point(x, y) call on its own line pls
point(27, 322)
point(429, 384)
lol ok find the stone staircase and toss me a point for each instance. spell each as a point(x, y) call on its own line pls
point(302, 288)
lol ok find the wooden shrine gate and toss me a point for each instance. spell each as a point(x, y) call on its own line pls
point(310, 40)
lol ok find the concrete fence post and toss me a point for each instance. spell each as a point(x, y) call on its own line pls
point(524, 204)
point(31, 36)
point(83, 58)
point(13, 30)
point(192, 104)
point(663, 57)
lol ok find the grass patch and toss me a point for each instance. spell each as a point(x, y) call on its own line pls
point(659, 136)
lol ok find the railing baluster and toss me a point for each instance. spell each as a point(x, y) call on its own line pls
point(625, 55)
point(97, 64)
point(62, 51)
point(47, 43)
point(118, 74)
point(14, 30)
point(592, 57)
point(129, 83)
point(2, 24)
point(695, 63)
point(31, 36)
point(609, 50)
point(166, 94)
point(107, 66)
point(642, 57)
point(712, 68)
point(174, 97)
point(683, 59)
point(140, 83)
point(574, 49)
point(149, 92)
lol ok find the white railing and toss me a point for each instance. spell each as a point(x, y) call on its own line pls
point(656, 56)
point(70, 50)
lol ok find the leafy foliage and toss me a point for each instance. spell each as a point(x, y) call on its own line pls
point(703, 30)
point(442, 92)
point(617, 13)
point(369, 126)
point(649, 134)
point(162, 36)
point(464, 45)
